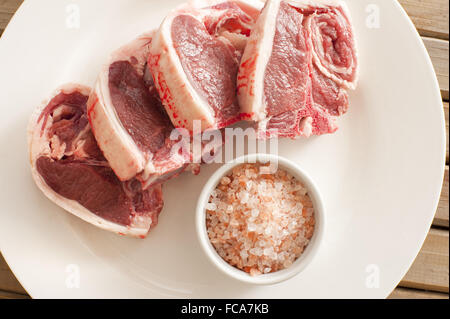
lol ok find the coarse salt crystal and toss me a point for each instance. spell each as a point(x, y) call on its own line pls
point(244, 197)
point(244, 254)
point(262, 243)
point(234, 222)
point(225, 181)
point(256, 251)
point(222, 206)
point(292, 226)
point(254, 272)
point(268, 251)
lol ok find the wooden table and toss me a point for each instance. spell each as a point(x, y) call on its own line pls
point(428, 277)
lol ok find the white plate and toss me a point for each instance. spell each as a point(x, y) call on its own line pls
point(380, 174)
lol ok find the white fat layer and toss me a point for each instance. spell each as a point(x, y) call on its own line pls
point(265, 53)
point(125, 157)
point(182, 92)
point(57, 148)
point(306, 126)
point(38, 145)
point(316, 3)
point(238, 41)
point(325, 69)
point(148, 170)
point(127, 143)
point(198, 4)
point(317, 42)
point(79, 143)
point(259, 46)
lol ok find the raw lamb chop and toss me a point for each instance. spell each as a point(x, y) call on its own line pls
point(195, 58)
point(299, 61)
point(69, 168)
point(129, 122)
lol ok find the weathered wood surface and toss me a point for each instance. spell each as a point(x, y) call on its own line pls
point(438, 50)
point(8, 282)
point(429, 16)
point(7, 10)
point(406, 293)
point(441, 217)
point(11, 295)
point(430, 269)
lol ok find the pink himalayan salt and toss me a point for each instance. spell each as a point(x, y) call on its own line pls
point(258, 222)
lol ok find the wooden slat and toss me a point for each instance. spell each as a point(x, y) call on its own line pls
point(438, 50)
point(430, 269)
point(429, 16)
point(441, 217)
point(405, 293)
point(7, 10)
point(447, 121)
point(8, 282)
point(11, 295)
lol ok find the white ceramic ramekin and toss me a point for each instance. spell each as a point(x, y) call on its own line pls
point(302, 262)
